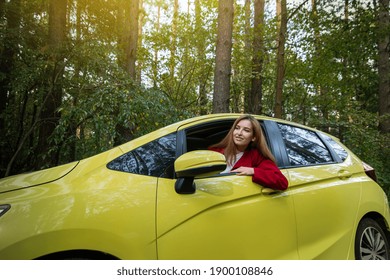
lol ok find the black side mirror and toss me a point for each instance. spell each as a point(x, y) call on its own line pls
point(196, 163)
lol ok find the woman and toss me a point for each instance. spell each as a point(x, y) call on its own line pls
point(247, 153)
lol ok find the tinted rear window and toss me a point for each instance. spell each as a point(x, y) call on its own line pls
point(303, 146)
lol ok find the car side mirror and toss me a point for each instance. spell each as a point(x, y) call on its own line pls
point(194, 164)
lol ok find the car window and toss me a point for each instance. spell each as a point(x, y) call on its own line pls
point(155, 158)
point(303, 146)
point(340, 151)
point(200, 137)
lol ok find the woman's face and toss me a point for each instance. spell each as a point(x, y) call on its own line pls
point(243, 134)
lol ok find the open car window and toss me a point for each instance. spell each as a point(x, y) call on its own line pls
point(202, 136)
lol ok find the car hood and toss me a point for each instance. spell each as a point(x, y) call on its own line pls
point(35, 178)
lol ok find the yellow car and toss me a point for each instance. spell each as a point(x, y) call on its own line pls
point(161, 196)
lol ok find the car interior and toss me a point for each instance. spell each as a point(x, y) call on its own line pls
point(203, 136)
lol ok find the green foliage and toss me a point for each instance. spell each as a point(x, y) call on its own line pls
point(362, 136)
point(332, 81)
point(97, 117)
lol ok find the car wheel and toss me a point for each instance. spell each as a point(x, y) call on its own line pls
point(371, 242)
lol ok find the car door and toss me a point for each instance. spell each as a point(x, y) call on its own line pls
point(228, 217)
point(325, 195)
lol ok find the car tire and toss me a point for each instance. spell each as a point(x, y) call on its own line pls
point(371, 242)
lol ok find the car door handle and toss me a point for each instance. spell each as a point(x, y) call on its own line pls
point(344, 174)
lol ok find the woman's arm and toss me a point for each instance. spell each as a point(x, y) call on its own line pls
point(263, 171)
point(269, 175)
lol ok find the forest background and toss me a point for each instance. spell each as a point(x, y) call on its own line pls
point(79, 77)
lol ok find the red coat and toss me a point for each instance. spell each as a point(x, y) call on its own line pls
point(266, 174)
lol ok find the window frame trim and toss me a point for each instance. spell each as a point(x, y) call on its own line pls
point(335, 156)
point(276, 143)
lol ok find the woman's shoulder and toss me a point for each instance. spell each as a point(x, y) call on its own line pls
point(255, 154)
point(254, 151)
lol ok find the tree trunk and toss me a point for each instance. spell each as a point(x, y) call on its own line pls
point(255, 99)
point(49, 113)
point(321, 87)
point(172, 58)
point(128, 35)
point(280, 68)
point(133, 39)
point(155, 58)
point(11, 11)
point(223, 57)
point(127, 21)
point(201, 54)
point(140, 38)
point(384, 66)
point(248, 49)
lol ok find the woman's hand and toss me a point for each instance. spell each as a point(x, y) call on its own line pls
point(244, 171)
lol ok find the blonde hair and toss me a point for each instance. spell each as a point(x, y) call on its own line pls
point(230, 149)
